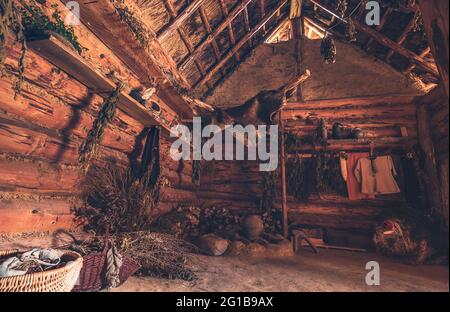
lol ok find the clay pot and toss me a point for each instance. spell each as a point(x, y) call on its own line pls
point(253, 226)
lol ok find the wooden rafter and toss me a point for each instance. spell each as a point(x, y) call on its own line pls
point(239, 44)
point(397, 48)
point(102, 18)
point(247, 24)
point(424, 53)
point(180, 19)
point(276, 29)
point(262, 11)
point(183, 35)
point(379, 28)
point(205, 22)
point(229, 25)
point(385, 41)
point(401, 39)
point(227, 21)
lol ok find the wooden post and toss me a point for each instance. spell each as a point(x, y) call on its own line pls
point(283, 177)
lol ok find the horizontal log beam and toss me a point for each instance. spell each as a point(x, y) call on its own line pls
point(239, 44)
point(342, 102)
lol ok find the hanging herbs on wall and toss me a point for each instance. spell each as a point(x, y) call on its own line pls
point(89, 148)
point(38, 25)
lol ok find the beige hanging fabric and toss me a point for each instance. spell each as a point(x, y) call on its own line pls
point(296, 9)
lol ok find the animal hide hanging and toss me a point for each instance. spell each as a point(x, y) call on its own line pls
point(150, 165)
point(328, 49)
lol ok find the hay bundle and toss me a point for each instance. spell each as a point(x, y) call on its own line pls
point(160, 255)
point(393, 238)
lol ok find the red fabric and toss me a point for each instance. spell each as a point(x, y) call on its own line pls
point(353, 186)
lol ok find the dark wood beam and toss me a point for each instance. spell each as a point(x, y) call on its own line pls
point(239, 44)
point(378, 28)
point(383, 40)
point(229, 25)
point(401, 39)
point(205, 22)
point(435, 19)
point(227, 21)
point(180, 19)
point(247, 25)
point(183, 35)
point(262, 11)
point(397, 48)
point(149, 62)
point(424, 53)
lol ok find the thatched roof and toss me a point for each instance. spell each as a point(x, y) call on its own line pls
point(208, 39)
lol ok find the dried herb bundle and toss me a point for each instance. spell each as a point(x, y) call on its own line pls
point(89, 148)
point(350, 31)
point(115, 197)
point(196, 172)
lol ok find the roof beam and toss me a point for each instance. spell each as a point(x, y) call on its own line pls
point(104, 20)
point(424, 53)
point(182, 33)
point(402, 37)
point(229, 26)
point(239, 44)
point(383, 21)
point(180, 19)
point(205, 22)
point(383, 40)
point(227, 21)
point(397, 48)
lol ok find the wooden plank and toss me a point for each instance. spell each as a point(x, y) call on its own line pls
point(229, 25)
point(401, 39)
point(435, 19)
point(149, 62)
point(180, 19)
point(343, 102)
point(59, 54)
point(224, 24)
point(239, 44)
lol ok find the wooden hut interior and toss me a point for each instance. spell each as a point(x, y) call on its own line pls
point(224, 145)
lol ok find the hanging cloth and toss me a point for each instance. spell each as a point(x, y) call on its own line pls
point(376, 176)
point(353, 186)
point(296, 9)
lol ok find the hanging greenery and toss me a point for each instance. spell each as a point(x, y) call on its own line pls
point(270, 216)
point(350, 31)
point(328, 49)
point(341, 8)
point(301, 177)
point(196, 172)
point(89, 148)
point(37, 24)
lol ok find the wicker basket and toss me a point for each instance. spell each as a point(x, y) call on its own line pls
point(61, 279)
point(91, 278)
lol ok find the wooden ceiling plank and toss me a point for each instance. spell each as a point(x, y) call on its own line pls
point(401, 39)
point(180, 19)
point(383, 21)
point(207, 25)
point(102, 18)
point(199, 49)
point(239, 44)
point(385, 41)
point(184, 36)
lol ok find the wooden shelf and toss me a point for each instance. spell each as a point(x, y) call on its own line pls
point(63, 56)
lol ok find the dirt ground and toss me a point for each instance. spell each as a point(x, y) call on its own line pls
point(330, 270)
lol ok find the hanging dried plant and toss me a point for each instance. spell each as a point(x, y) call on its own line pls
point(350, 31)
point(341, 8)
point(11, 18)
point(328, 49)
point(196, 172)
point(418, 21)
point(89, 148)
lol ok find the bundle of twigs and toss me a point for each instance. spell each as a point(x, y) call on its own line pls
point(159, 254)
point(115, 197)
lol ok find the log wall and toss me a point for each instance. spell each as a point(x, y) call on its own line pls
point(41, 132)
